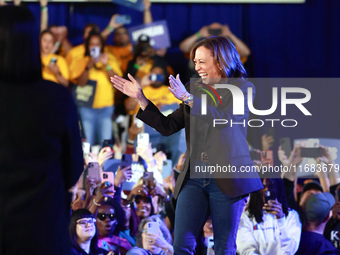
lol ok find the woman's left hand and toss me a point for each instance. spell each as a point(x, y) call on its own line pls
point(177, 88)
point(274, 207)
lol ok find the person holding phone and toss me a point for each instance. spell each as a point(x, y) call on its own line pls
point(153, 238)
point(92, 74)
point(54, 67)
point(216, 61)
point(268, 225)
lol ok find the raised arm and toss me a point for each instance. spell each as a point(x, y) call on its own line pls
point(43, 15)
point(147, 12)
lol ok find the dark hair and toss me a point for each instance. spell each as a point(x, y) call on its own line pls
point(76, 215)
point(46, 31)
point(87, 42)
point(143, 46)
point(19, 46)
point(133, 221)
point(119, 213)
point(149, 198)
point(256, 202)
point(165, 231)
point(224, 54)
point(94, 28)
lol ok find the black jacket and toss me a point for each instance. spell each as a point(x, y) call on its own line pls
point(224, 145)
point(40, 159)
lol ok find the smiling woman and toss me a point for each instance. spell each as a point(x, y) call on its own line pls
point(83, 233)
point(222, 197)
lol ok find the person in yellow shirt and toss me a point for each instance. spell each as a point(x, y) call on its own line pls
point(77, 52)
point(158, 93)
point(122, 47)
point(54, 67)
point(94, 92)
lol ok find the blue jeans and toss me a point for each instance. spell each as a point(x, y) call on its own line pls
point(198, 199)
point(97, 123)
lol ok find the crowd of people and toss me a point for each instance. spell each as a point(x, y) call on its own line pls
point(134, 213)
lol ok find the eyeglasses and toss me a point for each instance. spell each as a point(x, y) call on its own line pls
point(84, 222)
point(103, 216)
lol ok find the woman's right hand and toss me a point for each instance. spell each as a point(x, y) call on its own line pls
point(130, 88)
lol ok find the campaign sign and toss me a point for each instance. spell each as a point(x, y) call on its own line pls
point(135, 4)
point(157, 31)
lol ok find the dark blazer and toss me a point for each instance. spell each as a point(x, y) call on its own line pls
point(40, 159)
point(224, 145)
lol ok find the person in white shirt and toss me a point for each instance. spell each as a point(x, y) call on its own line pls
point(267, 225)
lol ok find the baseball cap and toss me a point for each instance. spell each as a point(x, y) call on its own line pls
point(318, 206)
point(312, 185)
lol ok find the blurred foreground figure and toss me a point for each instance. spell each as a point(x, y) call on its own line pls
point(40, 148)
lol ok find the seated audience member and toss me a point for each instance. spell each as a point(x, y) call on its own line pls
point(83, 233)
point(110, 220)
point(93, 71)
point(54, 67)
point(317, 212)
point(150, 243)
point(332, 228)
point(268, 226)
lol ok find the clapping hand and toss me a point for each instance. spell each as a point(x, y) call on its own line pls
point(177, 88)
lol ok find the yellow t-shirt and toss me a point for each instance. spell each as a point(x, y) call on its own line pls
point(160, 96)
point(47, 74)
point(144, 69)
point(123, 54)
point(104, 95)
point(76, 53)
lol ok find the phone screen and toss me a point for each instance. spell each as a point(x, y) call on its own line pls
point(143, 139)
point(153, 228)
point(123, 19)
point(126, 160)
point(311, 152)
point(109, 177)
point(216, 31)
point(53, 60)
point(95, 52)
point(93, 171)
point(148, 180)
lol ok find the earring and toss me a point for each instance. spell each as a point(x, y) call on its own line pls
point(220, 69)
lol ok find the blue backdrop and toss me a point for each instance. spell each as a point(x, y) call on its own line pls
point(286, 40)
